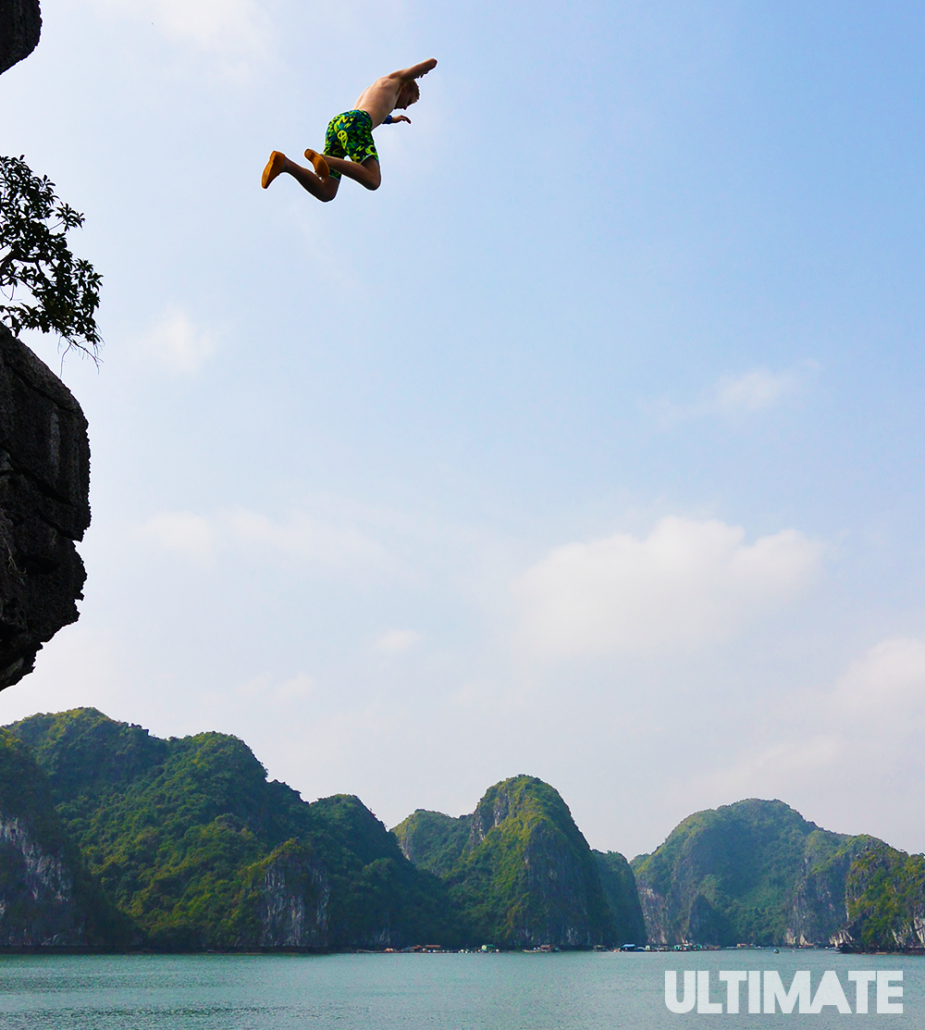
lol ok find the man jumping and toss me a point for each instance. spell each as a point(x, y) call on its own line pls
point(350, 135)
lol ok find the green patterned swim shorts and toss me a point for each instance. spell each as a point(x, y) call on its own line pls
point(350, 135)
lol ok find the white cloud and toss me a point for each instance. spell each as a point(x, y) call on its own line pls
point(733, 396)
point(298, 687)
point(298, 535)
point(238, 32)
point(302, 535)
point(688, 583)
point(181, 531)
point(752, 391)
point(887, 684)
point(263, 687)
point(176, 344)
point(397, 640)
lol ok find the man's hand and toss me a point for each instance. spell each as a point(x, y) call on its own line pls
point(400, 118)
point(417, 70)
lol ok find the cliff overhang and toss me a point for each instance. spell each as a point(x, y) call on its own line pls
point(20, 27)
point(44, 506)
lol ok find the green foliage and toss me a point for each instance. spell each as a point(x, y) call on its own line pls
point(180, 839)
point(886, 898)
point(168, 826)
point(24, 791)
point(34, 256)
point(619, 886)
point(433, 841)
point(373, 884)
point(84, 752)
point(519, 870)
point(182, 832)
point(737, 873)
point(195, 892)
point(26, 796)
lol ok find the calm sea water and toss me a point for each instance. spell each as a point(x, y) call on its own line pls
point(565, 991)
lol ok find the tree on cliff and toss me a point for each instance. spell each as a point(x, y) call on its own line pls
point(35, 257)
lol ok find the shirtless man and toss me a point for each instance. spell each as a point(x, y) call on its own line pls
point(351, 135)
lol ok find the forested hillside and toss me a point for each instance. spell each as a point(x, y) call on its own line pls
point(521, 872)
point(192, 842)
point(755, 872)
point(110, 837)
point(47, 896)
point(885, 897)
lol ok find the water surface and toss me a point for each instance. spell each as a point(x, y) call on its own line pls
point(565, 991)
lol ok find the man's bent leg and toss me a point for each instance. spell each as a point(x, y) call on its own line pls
point(323, 189)
point(321, 166)
point(366, 174)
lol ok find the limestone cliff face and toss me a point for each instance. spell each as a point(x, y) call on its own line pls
point(46, 896)
point(37, 892)
point(885, 900)
point(44, 506)
point(20, 27)
point(818, 910)
point(753, 872)
point(519, 870)
point(44, 463)
point(294, 897)
point(564, 887)
point(541, 875)
point(622, 895)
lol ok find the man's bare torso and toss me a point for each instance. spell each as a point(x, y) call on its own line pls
point(379, 99)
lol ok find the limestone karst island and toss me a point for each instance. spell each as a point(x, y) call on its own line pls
point(112, 838)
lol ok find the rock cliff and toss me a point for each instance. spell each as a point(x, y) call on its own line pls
point(622, 895)
point(434, 841)
point(20, 27)
point(885, 900)
point(194, 844)
point(44, 506)
point(755, 872)
point(293, 896)
point(521, 873)
point(818, 909)
point(112, 837)
point(47, 898)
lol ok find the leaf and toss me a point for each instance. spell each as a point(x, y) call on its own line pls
point(36, 258)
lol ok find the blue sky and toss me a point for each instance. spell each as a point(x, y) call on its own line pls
point(589, 446)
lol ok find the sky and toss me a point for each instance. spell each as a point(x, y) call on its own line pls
point(589, 446)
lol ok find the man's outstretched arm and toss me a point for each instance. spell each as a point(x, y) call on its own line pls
point(416, 70)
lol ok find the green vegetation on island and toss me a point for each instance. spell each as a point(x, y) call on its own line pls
point(192, 842)
point(434, 841)
point(622, 895)
point(755, 872)
point(885, 894)
point(47, 894)
point(521, 873)
point(110, 837)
